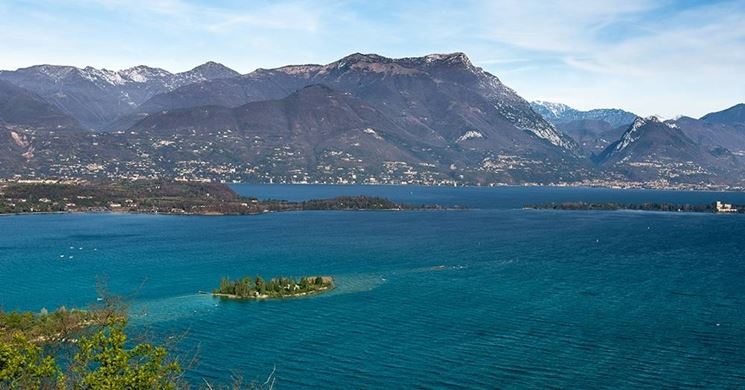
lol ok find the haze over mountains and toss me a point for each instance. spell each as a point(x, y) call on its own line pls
point(436, 119)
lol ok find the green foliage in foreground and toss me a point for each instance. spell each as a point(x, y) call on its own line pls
point(23, 365)
point(88, 350)
point(249, 287)
point(93, 343)
point(103, 362)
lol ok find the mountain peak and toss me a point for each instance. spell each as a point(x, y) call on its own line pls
point(212, 70)
point(359, 60)
point(360, 57)
point(446, 58)
point(451, 58)
point(555, 109)
point(640, 126)
point(211, 64)
point(369, 62)
point(559, 113)
point(54, 72)
point(143, 73)
point(641, 121)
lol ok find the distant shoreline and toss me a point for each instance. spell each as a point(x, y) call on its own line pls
point(711, 208)
point(169, 198)
point(111, 212)
point(630, 187)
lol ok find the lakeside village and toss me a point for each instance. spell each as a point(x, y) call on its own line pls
point(191, 178)
point(207, 198)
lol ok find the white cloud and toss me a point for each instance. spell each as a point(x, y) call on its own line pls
point(648, 56)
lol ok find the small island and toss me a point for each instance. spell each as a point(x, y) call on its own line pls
point(281, 287)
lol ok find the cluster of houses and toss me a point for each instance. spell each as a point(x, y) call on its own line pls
point(725, 208)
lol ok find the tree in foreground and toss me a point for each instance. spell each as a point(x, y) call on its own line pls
point(32, 345)
point(104, 361)
point(98, 354)
point(24, 366)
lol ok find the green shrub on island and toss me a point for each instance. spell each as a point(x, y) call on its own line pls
point(352, 203)
point(258, 287)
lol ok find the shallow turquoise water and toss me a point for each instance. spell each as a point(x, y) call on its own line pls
point(493, 296)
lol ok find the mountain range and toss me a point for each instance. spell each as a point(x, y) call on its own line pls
point(651, 149)
point(557, 113)
point(95, 97)
point(436, 119)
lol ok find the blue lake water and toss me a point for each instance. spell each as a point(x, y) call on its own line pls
point(492, 296)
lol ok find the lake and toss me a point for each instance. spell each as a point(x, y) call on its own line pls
point(491, 296)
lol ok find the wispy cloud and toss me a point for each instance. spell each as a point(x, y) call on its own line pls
point(650, 56)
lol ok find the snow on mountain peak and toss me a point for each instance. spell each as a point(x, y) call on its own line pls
point(632, 134)
point(54, 72)
point(556, 109)
point(141, 73)
point(456, 57)
point(305, 70)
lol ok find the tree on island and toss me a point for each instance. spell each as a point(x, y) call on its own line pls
point(275, 287)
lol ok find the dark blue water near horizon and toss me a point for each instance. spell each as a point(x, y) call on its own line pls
point(490, 297)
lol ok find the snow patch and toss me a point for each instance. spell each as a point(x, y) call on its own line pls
point(372, 132)
point(19, 139)
point(632, 134)
point(470, 134)
point(556, 109)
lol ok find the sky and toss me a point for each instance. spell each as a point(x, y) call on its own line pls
point(651, 57)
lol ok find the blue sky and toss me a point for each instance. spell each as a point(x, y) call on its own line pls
point(649, 56)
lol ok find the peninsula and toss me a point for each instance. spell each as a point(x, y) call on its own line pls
point(162, 197)
point(280, 287)
point(717, 207)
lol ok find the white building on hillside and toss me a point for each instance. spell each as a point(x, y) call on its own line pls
point(725, 208)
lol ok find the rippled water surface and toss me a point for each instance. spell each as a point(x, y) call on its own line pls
point(493, 296)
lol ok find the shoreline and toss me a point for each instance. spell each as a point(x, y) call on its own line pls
point(635, 186)
point(92, 212)
point(170, 198)
point(620, 186)
point(670, 208)
point(629, 211)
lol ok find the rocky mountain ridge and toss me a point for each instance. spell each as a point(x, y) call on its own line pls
point(365, 118)
point(557, 113)
point(95, 97)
